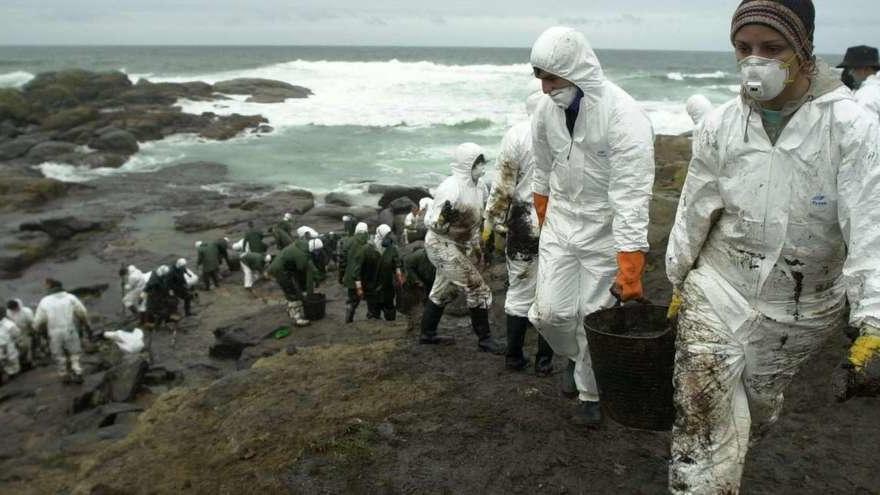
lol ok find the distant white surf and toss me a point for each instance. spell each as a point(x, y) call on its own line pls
point(15, 79)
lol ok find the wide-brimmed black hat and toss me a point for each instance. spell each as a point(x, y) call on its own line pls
point(860, 56)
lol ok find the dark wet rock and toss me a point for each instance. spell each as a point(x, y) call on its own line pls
point(69, 118)
point(390, 193)
point(362, 213)
point(8, 129)
point(145, 92)
point(402, 206)
point(263, 129)
point(17, 147)
point(252, 354)
point(89, 291)
point(339, 199)
point(80, 134)
point(80, 85)
point(99, 417)
point(14, 107)
point(386, 217)
point(24, 189)
point(61, 229)
point(22, 251)
point(117, 141)
point(200, 222)
point(49, 150)
point(101, 159)
point(150, 123)
point(118, 384)
point(231, 342)
point(262, 90)
point(88, 441)
point(295, 201)
point(227, 127)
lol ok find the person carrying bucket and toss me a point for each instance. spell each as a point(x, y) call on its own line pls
point(776, 228)
point(592, 184)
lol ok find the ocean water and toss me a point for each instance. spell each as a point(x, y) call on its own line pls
point(386, 114)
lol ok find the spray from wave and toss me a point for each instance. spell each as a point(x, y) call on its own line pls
point(15, 79)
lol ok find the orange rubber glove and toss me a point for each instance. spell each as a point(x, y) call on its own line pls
point(631, 267)
point(540, 207)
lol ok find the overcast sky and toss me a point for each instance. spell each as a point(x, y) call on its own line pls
point(636, 24)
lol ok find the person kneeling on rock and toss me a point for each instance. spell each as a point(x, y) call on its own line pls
point(294, 272)
point(60, 313)
point(179, 286)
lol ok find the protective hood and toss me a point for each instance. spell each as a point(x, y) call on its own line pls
point(698, 106)
point(288, 216)
point(199, 244)
point(303, 231)
point(465, 156)
point(181, 263)
point(566, 53)
point(162, 270)
point(425, 203)
point(532, 102)
point(315, 245)
point(361, 228)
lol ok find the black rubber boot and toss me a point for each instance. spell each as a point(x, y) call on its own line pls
point(516, 334)
point(480, 324)
point(588, 413)
point(430, 320)
point(350, 308)
point(568, 386)
point(544, 358)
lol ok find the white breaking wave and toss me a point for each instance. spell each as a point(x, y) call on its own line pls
point(678, 76)
point(15, 79)
point(391, 93)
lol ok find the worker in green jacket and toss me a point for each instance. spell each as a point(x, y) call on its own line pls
point(420, 273)
point(283, 232)
point(253, 265)
point(348, 271)
point(209, 260)
point(253, 240)
point(381, 274)
point(294, 272)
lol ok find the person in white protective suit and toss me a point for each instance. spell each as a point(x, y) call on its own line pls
point(128, 342)
point(776, 227)
point(133, 283)
point(865, 72)
point(60, 313)
point(594, 171)
point(414, 223)
point(9, 355)
point(26, 342)
point(453, 245)
point(510, 211)
point(698, 106)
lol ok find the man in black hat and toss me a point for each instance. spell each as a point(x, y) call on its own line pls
point(860, 63)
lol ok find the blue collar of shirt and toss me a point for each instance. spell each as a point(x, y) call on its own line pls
point(576, 104)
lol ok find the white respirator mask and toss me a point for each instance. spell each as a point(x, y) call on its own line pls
point(763, 79)
point(564, 97)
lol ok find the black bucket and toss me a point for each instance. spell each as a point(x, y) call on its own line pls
point(315, 306)
point(633, 352)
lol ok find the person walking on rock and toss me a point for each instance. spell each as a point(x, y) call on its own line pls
point(60, 314)
point(350, 268)
point(510, 211)
point(592, 184)
point(180, 287)
point(208, 258)
point(253, 265)
point(453, 245)
point(775, 243)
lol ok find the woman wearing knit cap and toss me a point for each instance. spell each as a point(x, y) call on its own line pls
point(776, 227)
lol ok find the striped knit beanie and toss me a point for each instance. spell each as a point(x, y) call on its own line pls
point(794, 19)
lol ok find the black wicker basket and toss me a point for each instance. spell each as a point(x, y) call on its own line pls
point(315, 306)
point(633, 352)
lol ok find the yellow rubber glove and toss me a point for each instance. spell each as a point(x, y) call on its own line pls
point(864, 349)
point(487, 232)
point(674, 305)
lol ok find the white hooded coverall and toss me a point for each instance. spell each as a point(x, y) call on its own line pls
point(9, 359)
point(451, 242)
point(135, 282)
point(599, 180)
point(59, 312)
point(768, 242)
point(511, 205)
point(868, 94)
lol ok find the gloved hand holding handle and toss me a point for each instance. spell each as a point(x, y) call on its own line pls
point(631, 267)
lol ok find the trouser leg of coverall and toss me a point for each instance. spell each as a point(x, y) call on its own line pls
point(729, 387)
point(456, 271)
point(248, 276)
point(351, 305)
point(570, 287)
point(64, 343)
